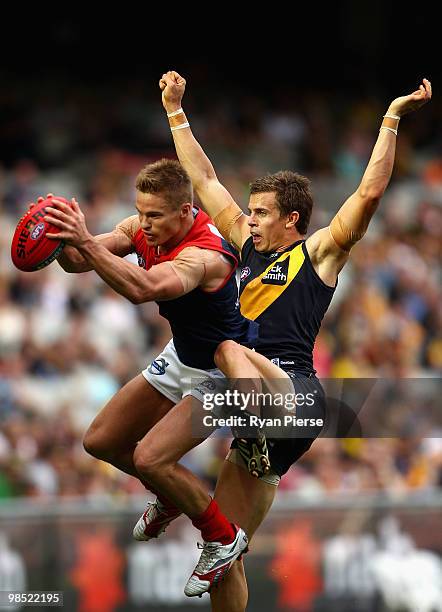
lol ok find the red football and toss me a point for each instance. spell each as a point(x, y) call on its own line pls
point(30, 249)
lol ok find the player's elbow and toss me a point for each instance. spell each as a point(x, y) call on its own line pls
point(145, 293)
point(370, 199)
point(158, 290)
point(371, 192)
point(66, 267)
point(205, 182)
point(72, 262)
point(138, 297)
point(70, 267)
point(210, 174)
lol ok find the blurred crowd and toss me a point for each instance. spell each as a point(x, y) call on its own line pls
point(68, 342)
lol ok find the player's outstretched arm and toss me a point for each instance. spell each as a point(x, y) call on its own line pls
point(217, 201)
point(165, 281)
point(329, 247)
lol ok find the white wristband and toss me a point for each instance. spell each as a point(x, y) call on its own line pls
point(181, 126)
point(392, 116)
point(177, 112)
point(384, 127)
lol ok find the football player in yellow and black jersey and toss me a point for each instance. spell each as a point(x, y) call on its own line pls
point(287, 283)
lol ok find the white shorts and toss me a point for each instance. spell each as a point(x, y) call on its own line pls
point(175, 380)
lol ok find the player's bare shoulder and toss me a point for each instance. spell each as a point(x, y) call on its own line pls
point(210, 267)
point(128, 227)
point(321, 245)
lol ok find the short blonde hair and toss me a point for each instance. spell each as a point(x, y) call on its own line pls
point(168, 178)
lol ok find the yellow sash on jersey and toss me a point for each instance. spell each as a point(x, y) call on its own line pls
point(256, 297)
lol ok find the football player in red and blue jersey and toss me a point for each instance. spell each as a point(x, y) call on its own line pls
point(186, 266)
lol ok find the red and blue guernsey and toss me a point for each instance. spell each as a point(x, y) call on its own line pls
point(200, 320)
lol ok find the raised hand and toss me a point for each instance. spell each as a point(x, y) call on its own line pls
point(406, 104)
point(173, 86)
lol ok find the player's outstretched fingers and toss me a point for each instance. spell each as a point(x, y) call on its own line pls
point(75, 205)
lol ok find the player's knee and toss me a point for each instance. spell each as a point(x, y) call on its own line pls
point(148, 463)
point(226, 351)
point(94, 444)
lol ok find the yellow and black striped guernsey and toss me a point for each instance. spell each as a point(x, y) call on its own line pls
point(283, 293)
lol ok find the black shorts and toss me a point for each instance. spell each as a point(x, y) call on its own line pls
point(284, 451)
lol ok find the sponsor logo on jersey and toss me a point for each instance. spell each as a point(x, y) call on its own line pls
point(37, 231)
point(277, 275)
point(245, 272)
point(141, 261)
point(158, 367)
point(275, 360)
